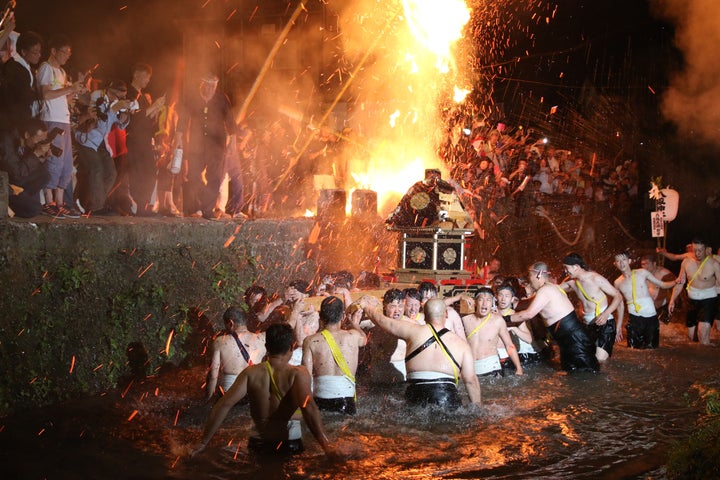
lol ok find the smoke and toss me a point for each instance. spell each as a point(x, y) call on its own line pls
point(692, 100)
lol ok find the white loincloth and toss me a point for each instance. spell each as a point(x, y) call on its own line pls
point(590, 316)
point(487, 365)
point(647, 307)
point(333, 386)
point(427, 375)
point(226, 381)
point(400, 367)
point(701, 293)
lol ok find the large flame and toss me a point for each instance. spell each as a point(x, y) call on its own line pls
point(411, 75)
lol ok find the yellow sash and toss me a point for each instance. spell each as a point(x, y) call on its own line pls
point(702, 264)
point(442, 347)
point(634, 292)
point(339, 358)
point(598, 309)
point(273, 386)
point(480, 325)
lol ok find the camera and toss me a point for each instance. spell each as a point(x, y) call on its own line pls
point(55, 151)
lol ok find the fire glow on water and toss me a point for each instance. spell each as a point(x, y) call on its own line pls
point(412, 73)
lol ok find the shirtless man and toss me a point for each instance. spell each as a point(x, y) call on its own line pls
point(643, 327)
point(593, 291)
point(437, 359)
point(276, 391)
point(557, 311)
point(301, 317)
point(413, 305)
point(331, 356)
point(702, 275)
point(453, 321)
point(233, 351)
point(507, 299)
point(484, 329)
point(660, 300)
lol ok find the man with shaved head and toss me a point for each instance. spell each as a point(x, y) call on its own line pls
point(436, 360)
point(577, 351)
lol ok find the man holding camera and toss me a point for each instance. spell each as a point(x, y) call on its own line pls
point(23, 156)
point(96, 169)
point(55, 112)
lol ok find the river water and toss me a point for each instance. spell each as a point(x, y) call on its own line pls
point(615, 424)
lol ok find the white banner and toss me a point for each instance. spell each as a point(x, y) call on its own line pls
point(657, 221)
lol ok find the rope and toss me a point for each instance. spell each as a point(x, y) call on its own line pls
point(577, 237)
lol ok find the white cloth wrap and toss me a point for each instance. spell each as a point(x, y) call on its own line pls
point(294, 430)
point(400, 367)
point(487, 365)
point(226, 381)
point(647, 307)
point(701, 293)
point(427, 375)
point(333, 386)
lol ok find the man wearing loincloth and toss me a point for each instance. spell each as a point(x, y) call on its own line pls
point(331, 356)
point(577, 351)
point(278, 393)
point(437, 360)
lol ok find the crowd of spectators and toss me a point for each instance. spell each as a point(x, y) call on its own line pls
point(499, 173)
point(114, 149)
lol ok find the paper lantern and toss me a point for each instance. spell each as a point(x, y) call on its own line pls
point(672, 199)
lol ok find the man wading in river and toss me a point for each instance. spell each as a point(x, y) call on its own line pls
point(278, 392)
point(577, 351)
point(437, 358)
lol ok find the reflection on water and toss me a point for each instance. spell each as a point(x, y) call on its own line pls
point(616, 424)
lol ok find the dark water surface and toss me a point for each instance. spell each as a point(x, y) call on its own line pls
point(616, 424)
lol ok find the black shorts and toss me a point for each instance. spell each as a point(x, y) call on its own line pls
point(643, 332)
point(701, 311)
point(577, 351)
point(604, 335)
point(273, 447)
point(340, 405)
point(421, 393)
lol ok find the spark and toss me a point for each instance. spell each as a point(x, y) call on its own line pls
point(72, 364)
point(123, 8)
point(147, 316)
point(122, 395)
point(175, 462)
point(177, 415)
point(237, 450)
point(167, 344)
point(132, 415)
point(307, 399)
point(229, 241)
point(232, 14)
point(651, 90)
point(157, 391)
point(41, 432)
point(97, 368)
point(146, 269)
point(21, 332)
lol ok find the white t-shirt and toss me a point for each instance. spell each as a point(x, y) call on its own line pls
point(55, 110)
